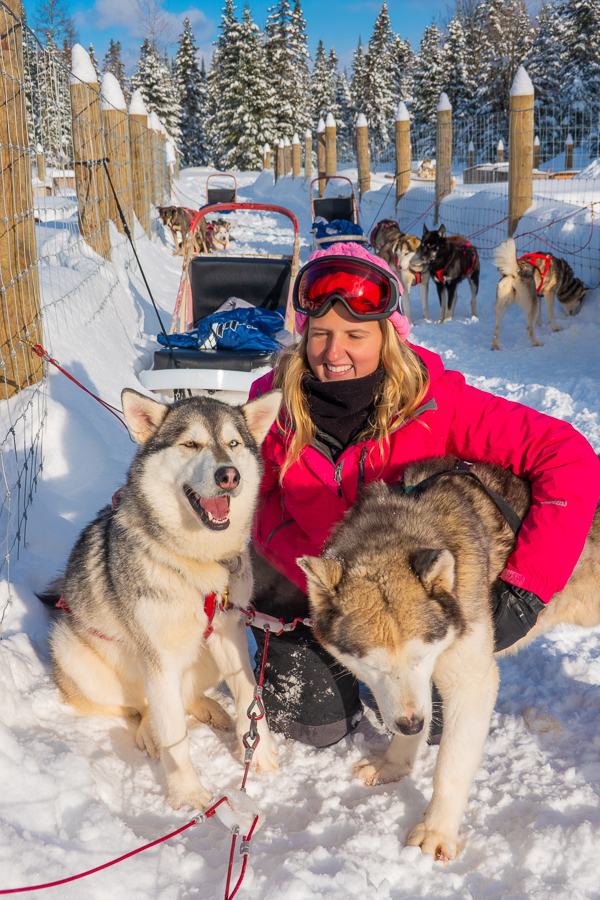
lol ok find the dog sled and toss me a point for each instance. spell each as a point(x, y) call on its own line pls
point(208, 281)
point(221, 194)
point(335, 218)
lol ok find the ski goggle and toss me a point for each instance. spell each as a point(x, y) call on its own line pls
point(366, 291)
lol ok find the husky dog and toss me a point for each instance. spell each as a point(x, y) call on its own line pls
point(398, 250)
point(179, 220)
point(451, 259)
point(426, 169)
point(152, 587)
point(401, 596)
point(218, 234)
point(526, 280)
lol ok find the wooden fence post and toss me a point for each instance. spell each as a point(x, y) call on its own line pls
point(500, 151)
point(471, 155)
point(295, 156)
point(443, 153)
point(321, 157)
point(569, 152)
point(536, 153)
point(403, 152)
point(138, 136)
point(520, 156)
point(154, 193)
point(362, 155)
point(287, 147)
point(307, 154)
point(88, 149)
point(41, 164)
point(330, 146)
point(281, 159)
point(19, 286)
point(116, 138)
point(266, 157)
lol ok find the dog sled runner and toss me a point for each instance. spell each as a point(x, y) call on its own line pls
point(208, 281)
point(221, 194)
point(335, 218)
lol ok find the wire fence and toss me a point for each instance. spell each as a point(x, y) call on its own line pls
point(60, 237)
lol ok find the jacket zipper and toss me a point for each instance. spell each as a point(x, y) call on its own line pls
point(338, 476)
point(361, 471)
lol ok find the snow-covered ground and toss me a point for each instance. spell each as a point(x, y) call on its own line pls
point(76, 792)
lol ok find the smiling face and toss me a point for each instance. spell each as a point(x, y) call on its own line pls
point(341, 347)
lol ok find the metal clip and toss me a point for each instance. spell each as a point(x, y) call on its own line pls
point(200, 818)
point(244, 848)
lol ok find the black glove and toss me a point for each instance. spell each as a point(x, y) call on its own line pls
point(514, 611)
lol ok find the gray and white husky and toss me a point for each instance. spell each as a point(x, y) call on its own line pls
point(153, 586)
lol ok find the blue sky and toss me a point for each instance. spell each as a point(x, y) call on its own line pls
point(338, 22)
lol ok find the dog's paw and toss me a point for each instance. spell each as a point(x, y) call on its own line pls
point(187, 793)
point(144, 737)
point(441, 846)
point(265, 756)
point(557, 328)
point(379, 771)
point(210, 713)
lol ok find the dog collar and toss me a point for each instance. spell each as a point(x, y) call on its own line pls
point(211, 605)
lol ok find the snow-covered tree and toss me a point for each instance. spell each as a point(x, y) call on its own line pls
point(580, 40)
point(113, 63)
point(221, 80)
point(154, 80)
point(299, 65)
point(357, 81)
point(404, 63)
point(94, 61)
point(429, 80)
point(322, 86)
point(344, 118)
point(287, 61)
point(379, 102)
point(506, 40)
point(53, 126)
point(192, 98)
point(458, 84)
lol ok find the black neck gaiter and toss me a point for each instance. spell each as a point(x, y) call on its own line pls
point(341, 408)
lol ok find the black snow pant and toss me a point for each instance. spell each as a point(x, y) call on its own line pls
point(307, 694)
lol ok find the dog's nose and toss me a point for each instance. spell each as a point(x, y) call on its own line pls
point(227, 477)
point(409, 726)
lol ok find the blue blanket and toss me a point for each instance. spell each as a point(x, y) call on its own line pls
point(337, 227)
point(237, 329)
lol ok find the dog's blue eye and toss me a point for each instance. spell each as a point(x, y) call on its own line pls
point(234, 443)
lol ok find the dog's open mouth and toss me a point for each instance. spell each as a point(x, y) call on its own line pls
point(213, 511)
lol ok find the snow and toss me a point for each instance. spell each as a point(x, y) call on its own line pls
point(471, 147)
point(536, 141)
point(308, 133)
point(137, 107)
point(521, 85)
point(77, 792)
point(295, 139)
point(320, 126)
point(402, 114)
point(286, 142)
point(153, 122)
point(81, 66)
point(111, 93)
point(329, 121)
point(569, 139)
point(444, 104)
point(500, 144)
point(361, 121)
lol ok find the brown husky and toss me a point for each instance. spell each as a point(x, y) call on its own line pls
point(526, 280)
point(398, 250)
point(401, 596)
point(179, 220)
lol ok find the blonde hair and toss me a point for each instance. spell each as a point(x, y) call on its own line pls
point(401, 391)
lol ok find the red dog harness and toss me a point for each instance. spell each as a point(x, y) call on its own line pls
point(533, 258)
point(439, 273)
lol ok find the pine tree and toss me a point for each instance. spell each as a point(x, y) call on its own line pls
point(580, 74)
point(402, 79)
point(158, 89)
point(379, 102)
point(192, 99)
point(299, 65)
point(345, 118)
point(113, 63)
point(506, 40)
point(429, 83)
point(94, 62)
point(357, 82)
point(457, 75)
point(321, 86)
point(222, 80)
point(545, 57)
point(287, 61)
point(53, 127)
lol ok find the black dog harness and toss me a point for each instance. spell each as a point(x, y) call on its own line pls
point(439, 273)
point(513, 520)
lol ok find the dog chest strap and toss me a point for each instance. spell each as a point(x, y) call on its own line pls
point(532, 259)
point(211, 605)
point(62, 604)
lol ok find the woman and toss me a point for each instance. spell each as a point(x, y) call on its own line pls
point(360, 402)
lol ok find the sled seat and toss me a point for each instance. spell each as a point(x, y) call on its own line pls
point(331, 208)
point(220, 195)
point(264, 282)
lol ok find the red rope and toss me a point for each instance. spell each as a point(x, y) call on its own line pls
point(39, 350)
point(37, 887)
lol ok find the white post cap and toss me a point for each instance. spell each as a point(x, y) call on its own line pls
point(137, 107)
point(266, 148)
point(320, 126)
point(330, 123)
point(111, 94)
point(281, 143)
point(82, 68)
point(402, 113)
point(471, 147)
point(308, 133)
point(500, 144)
point(521, 86)
point(361, 122)
point(295, 139)
point(286, 142)
point(536, 141)
point(569, 139)
point(444, 104)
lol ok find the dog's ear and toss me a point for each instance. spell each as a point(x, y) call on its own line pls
point(142, 414)
point(323, 576)
point(435, 568)
point(261, 413)
point(425, 230)
point(442, 231)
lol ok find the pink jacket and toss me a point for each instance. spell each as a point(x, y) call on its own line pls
point(296, 518)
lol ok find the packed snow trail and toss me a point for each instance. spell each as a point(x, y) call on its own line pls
point(77, 792)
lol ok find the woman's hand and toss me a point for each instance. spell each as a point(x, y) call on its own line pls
point(514, 611)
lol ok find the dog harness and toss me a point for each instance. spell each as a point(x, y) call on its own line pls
point(513, 520)
point(532, 259)
point(439, 272)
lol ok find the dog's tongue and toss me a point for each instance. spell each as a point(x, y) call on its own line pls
point(218, 507)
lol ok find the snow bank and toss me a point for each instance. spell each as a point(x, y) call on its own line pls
point(82, 68)
point(111, 93)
